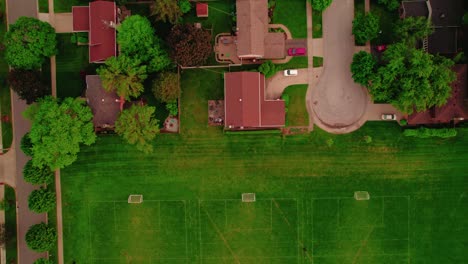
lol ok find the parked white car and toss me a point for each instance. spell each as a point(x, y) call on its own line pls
point(290, 72)
point(388, 117)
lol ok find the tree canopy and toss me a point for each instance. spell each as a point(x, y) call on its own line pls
point(412, 29)
point(123, 75)
point(41, 201)
point(28, 42)
point(27, 84)
point(43, 261)
point(268, 68)
point(58, 128)
point(138, 126)
point(412, 79)
point(365, 27)
point(390, 4)
point(166, 10)
point(41, 237)
point(363, 67)
point(185, 6)
point(138, 41)
point(26, 145)
point(166, 88)
point(320, 5)
point(36, 175)
point(190, 46)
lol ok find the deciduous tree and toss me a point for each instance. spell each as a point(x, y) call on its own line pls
point(123, 75)
point(58, 128)
point(166, 10)
point(26, 145)
point(320, 5)
point(28, 42)
point(412, 79)
point(412, 29)
point(166, 88)
point(138, 41)
point(390, 4)
point(36, 175)
point(190, 46)
point(365, 27)
point(27, 84)
point(41, 201)
point(363, 67)
point(138, 126)
point(185, 6)
point(41, 237)
point(268, 68)
point(43, 261)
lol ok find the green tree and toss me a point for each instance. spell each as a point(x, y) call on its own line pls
point(268, 68)
point(58, 128)
point(166, 11)
point(26, 145)
point(43, 261)
point(138, 41)
point(27, 84)
point(320, 5)
point(411, 79)
point(138, 126)
point(363, 67)
point(412, 29)
point(123, 75)
point(191, 46)
point(41, 237)
point(36, 175)
point(41, 201)
point(185, 6)
point(365, 27)
point(166, 88)
point(28, 42)
point(390, 4)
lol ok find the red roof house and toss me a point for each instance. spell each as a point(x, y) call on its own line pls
point(99, 19)
point(202, 9)
point(456, 108)
point(245, 104)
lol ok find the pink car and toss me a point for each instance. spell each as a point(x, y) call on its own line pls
point(296, 51)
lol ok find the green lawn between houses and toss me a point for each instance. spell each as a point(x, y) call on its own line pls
point(192, 185)
point(297, 112)
point(292, 14)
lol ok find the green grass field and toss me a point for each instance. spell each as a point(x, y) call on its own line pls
point(292, 14)
point(305, 211)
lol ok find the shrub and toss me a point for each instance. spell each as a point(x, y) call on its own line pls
point(36, 175)
point(43, 261)
point(185, 6)
point(320, 5)
point(330, 142)
point(172, 108)
point(368, 139)
point(268, 68)
point(26, 145)
point(41, 237)
point(403, 122)
point(424, 132)
point(41, 201)
point(166, 88)
point(365, 27)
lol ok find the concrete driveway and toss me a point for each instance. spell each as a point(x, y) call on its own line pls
point(338, 104)
point(276, 84)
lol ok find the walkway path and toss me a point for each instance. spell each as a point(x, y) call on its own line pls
point(338, 104)
point(25, 218)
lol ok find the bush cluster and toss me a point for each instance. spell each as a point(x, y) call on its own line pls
point(36, 175)
point(41, 237)
point(424, 132)
point(268, 68)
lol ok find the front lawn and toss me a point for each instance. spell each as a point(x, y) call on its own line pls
point(292, 14)
point(304, 184)
point(297, 112)
point(71, 60)
point(387, 23)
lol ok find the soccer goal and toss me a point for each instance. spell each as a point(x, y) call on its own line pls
point(361, 195)
point(135, 198)
point(248, 197)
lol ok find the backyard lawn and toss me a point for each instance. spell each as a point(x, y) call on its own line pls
point(297, 112)
point(305, 211)
point(292, 14)
point(71, 60)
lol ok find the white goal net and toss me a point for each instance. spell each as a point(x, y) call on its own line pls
point(135, 198)
point(361, 195)
point(248, 197)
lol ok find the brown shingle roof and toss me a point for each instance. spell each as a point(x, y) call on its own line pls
point(456, 106)
point(252, 24)
point(104, 105)
point(275, 46)
point(245, 104)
